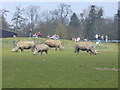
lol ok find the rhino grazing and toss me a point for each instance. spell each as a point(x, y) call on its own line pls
point(85, 46)
point(24, 45)
point(54, 44)
point(41, 48)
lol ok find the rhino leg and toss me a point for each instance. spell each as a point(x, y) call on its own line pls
point(78, 50)
point(32, 49)
point(46, 52)
point(55, 48)
point(41, 52)
point(22, 50)
point(90, 51)
point(75, 51)
point(87, 51)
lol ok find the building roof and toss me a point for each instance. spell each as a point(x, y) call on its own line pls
point(8, 30)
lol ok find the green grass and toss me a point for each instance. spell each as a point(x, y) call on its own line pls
point(59, 69)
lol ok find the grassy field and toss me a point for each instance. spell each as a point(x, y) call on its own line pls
point(59, 69)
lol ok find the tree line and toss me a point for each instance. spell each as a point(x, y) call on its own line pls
point(62, 21)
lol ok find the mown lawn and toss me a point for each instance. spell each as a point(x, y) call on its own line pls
point(59, 69)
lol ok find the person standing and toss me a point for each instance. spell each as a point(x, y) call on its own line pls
point(102, 38)
point(96, 36)
point(99, 39)
point(82, 38)
point(106, 38)
point(30, 33)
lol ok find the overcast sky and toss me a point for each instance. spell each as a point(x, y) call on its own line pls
point(110, 8)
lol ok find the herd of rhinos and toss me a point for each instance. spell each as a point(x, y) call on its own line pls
point(39, 49)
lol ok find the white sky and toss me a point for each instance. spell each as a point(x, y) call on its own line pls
point(59, 0)
point(110, 7)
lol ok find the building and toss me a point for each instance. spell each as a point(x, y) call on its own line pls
point(6, 33)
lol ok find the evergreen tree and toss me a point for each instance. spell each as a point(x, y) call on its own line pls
point(118, 13)
point(98, 22)
point(74, 21)
point(100, 13)
point(90, 28)
point(114, 32)
point(92, 14)
point(118, 19)
point(18, 19)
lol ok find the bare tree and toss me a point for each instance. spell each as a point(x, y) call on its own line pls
point(62, 12)
point(32, 13)
point(47, 17)
point(47, 23)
